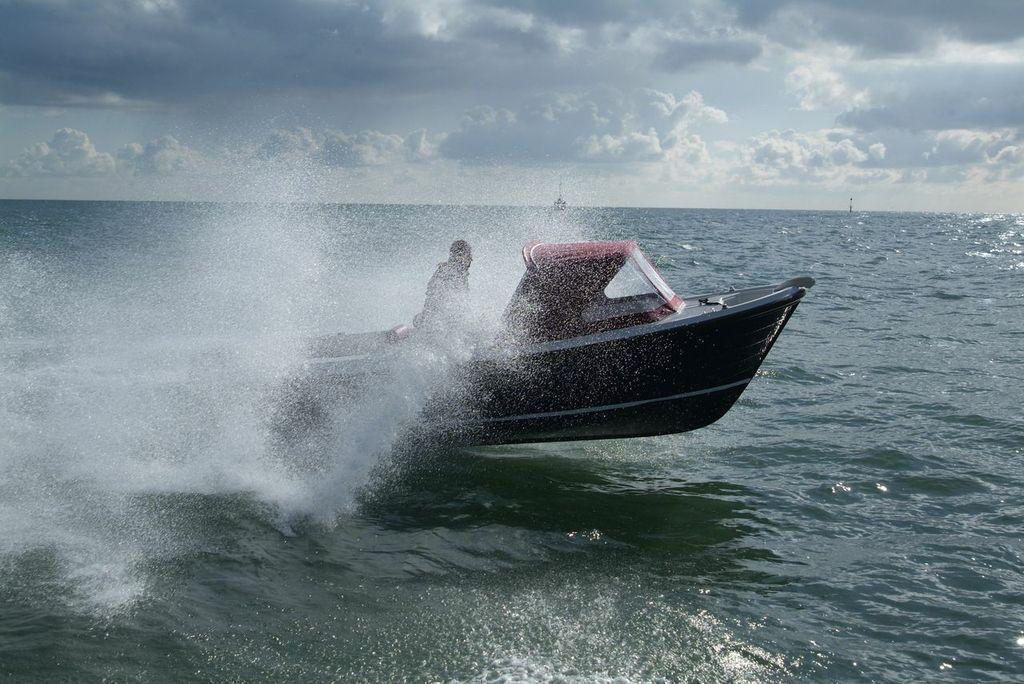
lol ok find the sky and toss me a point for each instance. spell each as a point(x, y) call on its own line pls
point(799, 104)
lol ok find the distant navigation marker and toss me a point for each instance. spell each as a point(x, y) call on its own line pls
point(851, 205)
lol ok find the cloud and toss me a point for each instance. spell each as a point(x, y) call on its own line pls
point(71, 153)
point(946, 98)
point(341, 149)
point(1010, 154)
point(649, 129)
point(418, 146)
point(881, 27)
point(134, 53)
point(126, 53)
point(932, 151)
point(679, 55)
point(591, 12)
point(842, 156)
point(604, 126)
point(68, 153)
point(963, 147)
point(162, 157)
point(288, 143)
point(368, 148)
point(818, 86)
point(631, 146)
point(791, 157)
point(653, 105)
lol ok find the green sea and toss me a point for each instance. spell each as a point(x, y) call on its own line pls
point(857, 516)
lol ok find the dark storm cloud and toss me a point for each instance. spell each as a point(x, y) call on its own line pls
point(118, 52)
point(593, 12)
point(883, 26)
point(63, 52)
point(678, 55)
point(949, 98)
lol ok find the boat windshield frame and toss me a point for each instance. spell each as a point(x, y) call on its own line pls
point(640, 259)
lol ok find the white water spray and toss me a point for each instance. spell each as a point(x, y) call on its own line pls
point(142, 362)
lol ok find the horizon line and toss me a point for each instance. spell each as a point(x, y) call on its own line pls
point(500, 206)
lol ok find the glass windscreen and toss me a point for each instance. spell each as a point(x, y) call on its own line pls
point(630, 281)
point(629, 292)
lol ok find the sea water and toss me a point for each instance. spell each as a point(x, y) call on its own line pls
point(858, 515)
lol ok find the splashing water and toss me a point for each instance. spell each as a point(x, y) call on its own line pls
point(144, 362)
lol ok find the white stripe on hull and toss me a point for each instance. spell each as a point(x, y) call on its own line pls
point(614, 407)
point(336, 359)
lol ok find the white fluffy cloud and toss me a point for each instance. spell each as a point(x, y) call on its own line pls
point(368, 148)
point(788, 156)
point(653, 106)
point(68, 153)
point(164, 156)
point(818, 86)
point(71, 153)
point(341, 149)
point(630, 146)
point(645, 126)
point(651, 130)
point(843, 156)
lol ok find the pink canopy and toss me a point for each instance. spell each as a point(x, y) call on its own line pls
point(537, 254)
point(577, 288)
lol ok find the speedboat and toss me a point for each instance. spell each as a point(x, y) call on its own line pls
point(594, 344)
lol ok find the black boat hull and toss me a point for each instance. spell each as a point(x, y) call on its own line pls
point(669, 379)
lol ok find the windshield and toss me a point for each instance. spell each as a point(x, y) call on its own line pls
point(636, 288)
point(629, 282)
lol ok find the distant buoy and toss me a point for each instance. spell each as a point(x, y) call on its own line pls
point(851, 205)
